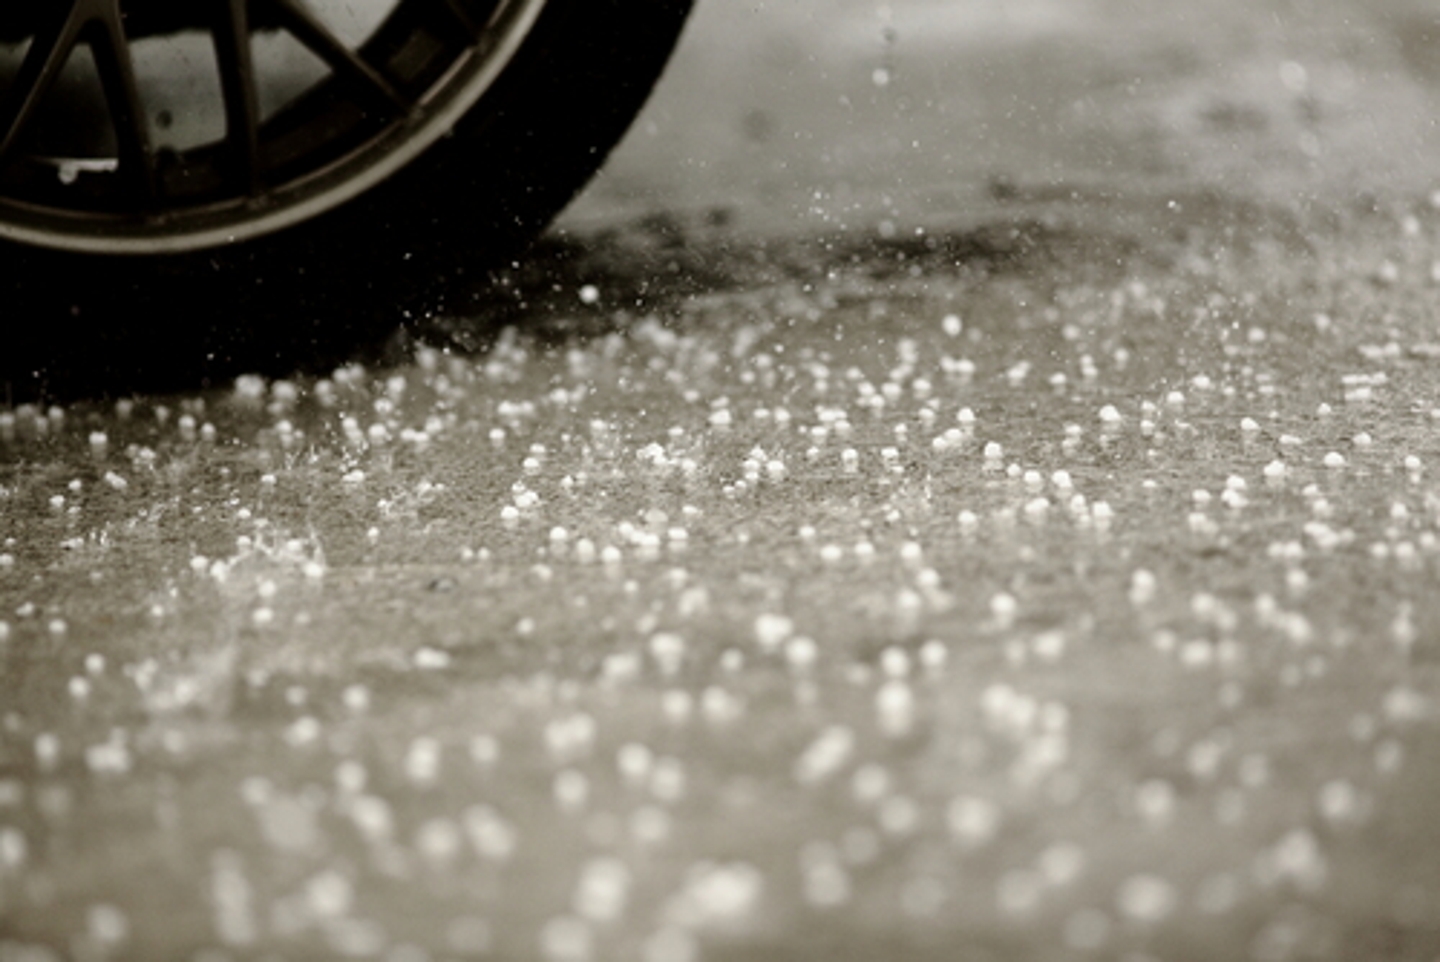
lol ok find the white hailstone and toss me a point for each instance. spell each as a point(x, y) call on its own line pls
point(1086, 930)
point(1155, 801)
point(565, 938)
point(1146, 898)
point(717, 895)
point(1334, 460)
point(1061, 863)
point(438, 840)
point(1037, 510)
point(1143, 586)
point(1339, 801)
point(870, 783)
point(801, 653)
point(825, 883)
point(668, 650)
point(426, 658)
point(1003, 608)
point(772, 630)
point(491, 836)
point(895, 708)
point(895, 661)
point(1110, 415)
point(1403, 705)
point(972, 821)
point(649, 825)
point(603, 889)
point(635, 762)
point(571, 790)
point(952, 325)
point(933, 655)
point(47, 750)
point(422, 761)
point(570, 736)
point(1296, 858)
point(898, 815)
point(677, 705)
point(107, 925)
point(826, 755)
point(911, 553)
point(670, 943)
point(850, 460)
point(968, 521)
point(993, 451)
point(1018, 892)
point(1049, 645)
point(1062, 480)
point(1249, 425)
point(1389, 756)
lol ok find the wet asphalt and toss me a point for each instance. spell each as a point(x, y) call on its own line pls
point(955, 486)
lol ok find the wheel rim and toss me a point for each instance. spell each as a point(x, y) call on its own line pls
point(379, 102)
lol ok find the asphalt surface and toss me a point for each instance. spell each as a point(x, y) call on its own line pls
point(954, 487)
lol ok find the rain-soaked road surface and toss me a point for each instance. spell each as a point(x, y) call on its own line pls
point(839, 555)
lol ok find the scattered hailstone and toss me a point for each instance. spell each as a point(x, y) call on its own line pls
point(773, 630)
point(1145, 898)
point(895, 708)
point(1004, 607)
point(972, 821)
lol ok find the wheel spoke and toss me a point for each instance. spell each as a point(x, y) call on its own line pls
point(459, 16)
point(310, 31)
point(51, 47)
point(98, 23)
point(111, 50)
point(238, 87)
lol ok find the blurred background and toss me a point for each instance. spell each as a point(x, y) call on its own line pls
point(808, 114)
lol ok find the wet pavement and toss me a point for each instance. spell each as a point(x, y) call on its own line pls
point(823, 547)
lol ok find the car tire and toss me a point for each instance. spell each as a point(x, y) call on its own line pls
point(308, 296)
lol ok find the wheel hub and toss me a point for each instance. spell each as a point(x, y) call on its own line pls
point(282, 145)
